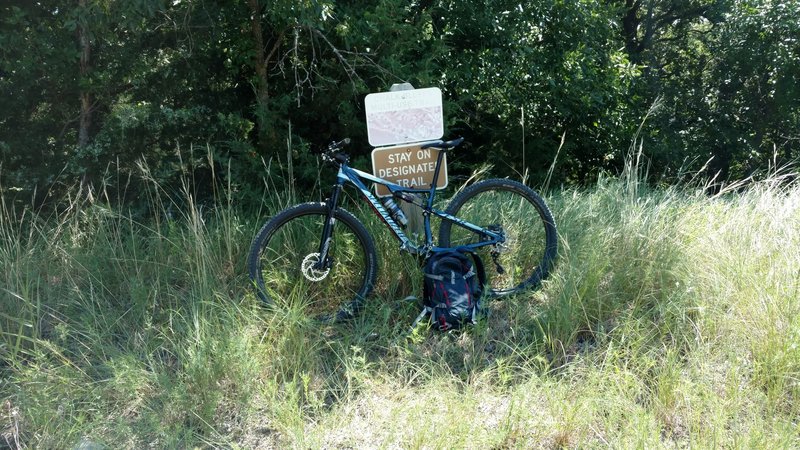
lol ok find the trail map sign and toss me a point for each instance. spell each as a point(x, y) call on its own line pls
point(404, 116)
point(409, 166)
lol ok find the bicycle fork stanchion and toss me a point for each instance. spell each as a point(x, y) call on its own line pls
point(327, 229)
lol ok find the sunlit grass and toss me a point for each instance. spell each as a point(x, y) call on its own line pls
point(670, 319)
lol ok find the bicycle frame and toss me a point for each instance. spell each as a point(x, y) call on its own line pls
point(355, 177)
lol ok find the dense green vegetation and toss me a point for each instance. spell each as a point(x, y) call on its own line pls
point(90, 87)
point(671, 319)
point(143, 143)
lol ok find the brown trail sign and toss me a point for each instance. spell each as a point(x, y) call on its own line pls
point(408, 166)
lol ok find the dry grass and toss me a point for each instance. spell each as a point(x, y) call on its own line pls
point(672, 320)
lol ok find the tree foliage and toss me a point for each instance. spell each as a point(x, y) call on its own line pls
point(730, 90)
point(92, 87)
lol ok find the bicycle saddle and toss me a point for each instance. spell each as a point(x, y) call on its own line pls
point(444, 145)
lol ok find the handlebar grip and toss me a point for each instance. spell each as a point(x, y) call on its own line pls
point(337, 145)
point(332, 147)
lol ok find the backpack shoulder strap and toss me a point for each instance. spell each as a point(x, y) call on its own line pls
point(477, 263)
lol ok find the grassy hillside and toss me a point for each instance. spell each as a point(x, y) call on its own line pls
point(671, 319)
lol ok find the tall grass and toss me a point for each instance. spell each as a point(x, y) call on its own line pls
point(671, 319)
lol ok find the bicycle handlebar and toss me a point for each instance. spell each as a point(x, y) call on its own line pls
point(333, 146)
point(331, 153)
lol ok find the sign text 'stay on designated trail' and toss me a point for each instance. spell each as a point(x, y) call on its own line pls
point(408, 166)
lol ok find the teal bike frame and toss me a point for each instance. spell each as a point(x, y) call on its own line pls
point(356, 177)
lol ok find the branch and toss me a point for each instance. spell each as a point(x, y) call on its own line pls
point(298, 83)
point(689, 31)
point(669, 17)
point(275, 46)
point(372, 63)
point(349, 70)
point(650, 28)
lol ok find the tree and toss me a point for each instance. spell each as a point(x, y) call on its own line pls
point(730, 92)
point(646, 24)
point(37, 73)
point(523, 75)
point(95, 86)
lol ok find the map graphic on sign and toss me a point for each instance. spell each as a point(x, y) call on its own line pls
point(404, 116)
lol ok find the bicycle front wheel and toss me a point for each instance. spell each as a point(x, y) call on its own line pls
point(284, 255)
point(531, 241)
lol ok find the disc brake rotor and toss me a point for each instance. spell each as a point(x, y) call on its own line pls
point(307, 267)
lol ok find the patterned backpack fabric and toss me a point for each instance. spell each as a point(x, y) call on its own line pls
point(453, 287)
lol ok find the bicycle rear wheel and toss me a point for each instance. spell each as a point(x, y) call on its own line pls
point(526, 256)
point(283, 257)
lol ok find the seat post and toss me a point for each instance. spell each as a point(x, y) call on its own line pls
point(439, 158)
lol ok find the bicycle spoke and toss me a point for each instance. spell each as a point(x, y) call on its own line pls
point(284, 262)
point(523, 219)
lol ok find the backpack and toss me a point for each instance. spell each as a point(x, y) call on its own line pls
point(453, 285)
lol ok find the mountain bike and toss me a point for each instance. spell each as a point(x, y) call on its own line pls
point(322, 254)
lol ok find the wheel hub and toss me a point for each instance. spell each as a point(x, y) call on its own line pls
point(500, 247)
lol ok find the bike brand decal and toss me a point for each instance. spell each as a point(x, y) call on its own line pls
point(384, 215)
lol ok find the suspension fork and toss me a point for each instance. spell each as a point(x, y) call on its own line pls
point(325, 262)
